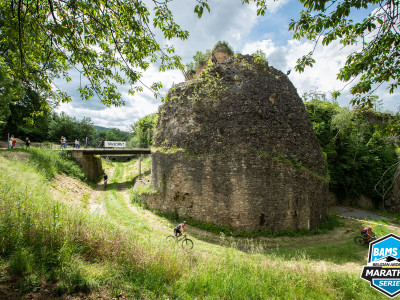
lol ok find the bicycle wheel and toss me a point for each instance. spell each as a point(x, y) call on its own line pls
point(359, 240)
point(187, 243)
point(170, 239)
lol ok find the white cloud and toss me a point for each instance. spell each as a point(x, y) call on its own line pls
point(323, 75)
point(273, 6)
point(135, 107)
point(267, 46)
point(228, 21)
point(235, 23)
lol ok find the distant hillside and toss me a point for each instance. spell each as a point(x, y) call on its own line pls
point(101, 128)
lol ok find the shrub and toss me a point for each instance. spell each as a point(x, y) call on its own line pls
point(52, 162)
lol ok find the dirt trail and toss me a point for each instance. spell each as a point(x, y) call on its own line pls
point(161, 225)
point(155, 222)
point(74, 192)
point(201, 237)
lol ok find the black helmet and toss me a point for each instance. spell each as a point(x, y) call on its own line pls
point(184, 222)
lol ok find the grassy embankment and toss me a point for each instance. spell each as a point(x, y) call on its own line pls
point(124, 253)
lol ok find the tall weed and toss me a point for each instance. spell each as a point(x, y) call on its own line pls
point(51, 162)
point(38, 234)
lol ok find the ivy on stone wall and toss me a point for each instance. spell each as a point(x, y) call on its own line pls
point(209, 86)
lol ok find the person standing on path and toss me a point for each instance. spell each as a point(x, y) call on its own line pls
point(87, 142)
point(27, 143)
point(11, 142)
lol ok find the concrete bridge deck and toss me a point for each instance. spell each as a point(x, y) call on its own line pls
point(107, 151)
point(91, 163)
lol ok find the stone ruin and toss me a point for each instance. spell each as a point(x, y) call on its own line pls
point(235, 147)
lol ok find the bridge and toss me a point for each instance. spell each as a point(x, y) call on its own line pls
point(108, 151)
point(91, 163)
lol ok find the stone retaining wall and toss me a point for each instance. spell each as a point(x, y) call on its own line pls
point(244, 190)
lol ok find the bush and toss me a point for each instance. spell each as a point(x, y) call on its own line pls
point(358, 153)
point(52, 162)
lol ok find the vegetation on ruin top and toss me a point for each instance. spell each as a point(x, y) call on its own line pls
point(201, 58)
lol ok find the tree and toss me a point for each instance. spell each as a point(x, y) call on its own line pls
point(28, 117)
point(144, 130)
point(109, 42)
point(200, 59)
point(115, 134)
point(71, 128)
point(10, 91)
point(377, 62)
point(85, 128)
point(357, 151)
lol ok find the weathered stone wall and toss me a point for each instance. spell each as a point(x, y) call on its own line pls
point(359, 201)
point(91, 164)
point(244, 190)
point(250, 159)
point(238, 103)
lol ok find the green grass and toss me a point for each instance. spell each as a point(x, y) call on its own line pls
point(41, 238)
point(339, 251)
point(379, 221)
point(44, 238)
point(332, 221)
point(51, 162)
point(117, 208)
point(85, 200)
point(133, 167)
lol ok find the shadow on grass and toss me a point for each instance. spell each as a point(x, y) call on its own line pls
point(118, 186)
point(338, 253)
point(144, 174)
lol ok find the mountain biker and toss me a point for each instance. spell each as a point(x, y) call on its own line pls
point(177, 229)
point(366, 232)
point(105, 180)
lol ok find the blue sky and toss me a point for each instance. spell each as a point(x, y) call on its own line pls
point(239, 25)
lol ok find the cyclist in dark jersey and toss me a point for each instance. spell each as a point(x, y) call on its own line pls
point(178, 230)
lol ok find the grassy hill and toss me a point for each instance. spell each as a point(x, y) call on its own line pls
point(63, 237)
point(101, 128)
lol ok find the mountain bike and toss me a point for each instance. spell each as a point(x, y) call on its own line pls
point(361, 240)
point(186, 243)
point(105, 184)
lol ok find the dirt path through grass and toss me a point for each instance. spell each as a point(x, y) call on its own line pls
point(324, 252)
point(334, 250)
point(124, 188)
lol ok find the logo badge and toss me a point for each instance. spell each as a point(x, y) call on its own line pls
point(383, 267)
